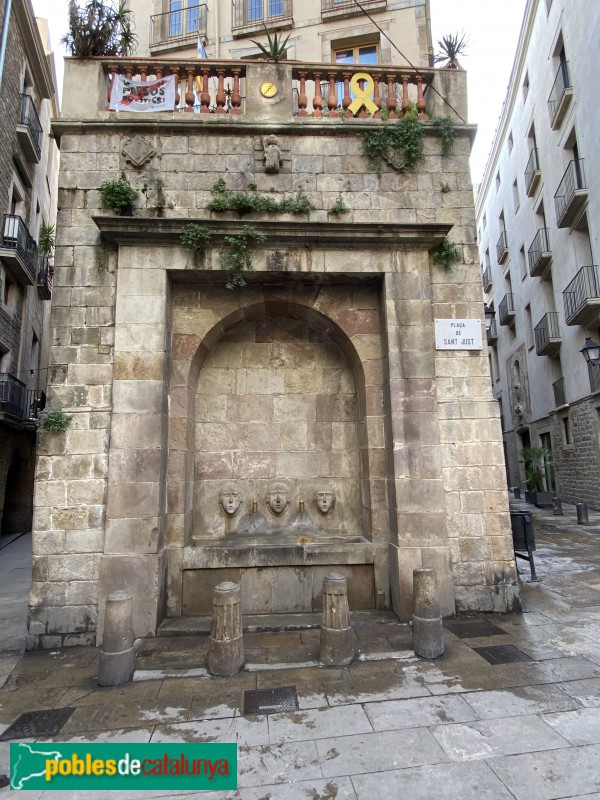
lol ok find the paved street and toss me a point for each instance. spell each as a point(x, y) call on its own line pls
point(390, 725)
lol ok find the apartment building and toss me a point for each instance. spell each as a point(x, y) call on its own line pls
point(538, 228)
point(28, 179)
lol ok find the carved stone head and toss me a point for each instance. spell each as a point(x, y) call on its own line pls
point(277, 498)
point(324, 501)
point(230, 499)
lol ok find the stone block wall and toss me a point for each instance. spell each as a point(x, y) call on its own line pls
point(577, 464)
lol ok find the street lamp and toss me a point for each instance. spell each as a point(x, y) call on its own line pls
point(489, 314)
point(591, 352)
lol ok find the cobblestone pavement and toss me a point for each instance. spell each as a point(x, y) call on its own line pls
point(512, 709)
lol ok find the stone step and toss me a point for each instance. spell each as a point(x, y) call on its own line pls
point(256, 623)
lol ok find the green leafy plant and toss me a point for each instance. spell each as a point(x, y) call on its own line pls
point(100, 28)
point(445, 187)
point(196, 238)
point(54, 421)
point(451, 46)
point(236, 254)
point(118, 195)
point(447, 254)
point(445, 126)
point(275, 49)
point(338, 207)
point(46, 239)
point(399, 144)
point(535, 460)
point(246, 202)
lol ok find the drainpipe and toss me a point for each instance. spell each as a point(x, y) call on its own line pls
point(217, 42)
point(5, 25)
point(428, 29)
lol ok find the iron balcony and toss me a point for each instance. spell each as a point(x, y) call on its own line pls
point(582, 298)
point(19, 401)
point(506, 310)
point(560, 96)
point(547, 335)
point(558, 388)
point(487, 278)
point(29, 130)
point(179, 27)
point(250, 16)
point(533, 173)
point(492, 332)
point(18, 250)
point(539, 254)
point(502, 248)
point(571, 195)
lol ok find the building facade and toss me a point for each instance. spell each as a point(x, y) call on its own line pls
point(302, 422)
point(28, 180)
point(537, 217)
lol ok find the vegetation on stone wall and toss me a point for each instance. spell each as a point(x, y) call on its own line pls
point(400, 144)
point(249, 201)
point(54, 421)
point(100, 28)
point(338, 207)
point(196, 238)
point(236, 254)
point(445, 126)
point(447, 254)
point(118, 195)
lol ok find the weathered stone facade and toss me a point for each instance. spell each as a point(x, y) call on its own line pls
point(206, 420)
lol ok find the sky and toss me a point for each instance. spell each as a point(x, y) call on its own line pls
point(492, 29)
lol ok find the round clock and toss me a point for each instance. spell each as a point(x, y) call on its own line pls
point(268, 89)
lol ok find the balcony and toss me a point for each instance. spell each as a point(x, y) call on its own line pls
point(178, 28)
point(16, 400)
point(502, 248)
point(547, 335)
point(492, 332)
point(539, 254)
point(533, 173)
point(18, 250)
point(571, 195)
point(29, 130)
point(338, 9)
point(487, 278)
point(44, 278)
point(506, 310)
point(560, 96)
point(558, 388)
point(251, 16)
point(582, 298)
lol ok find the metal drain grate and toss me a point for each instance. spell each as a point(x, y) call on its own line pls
point(471, 629)
point(37, 724)
point(270, 701)
point(502, 654)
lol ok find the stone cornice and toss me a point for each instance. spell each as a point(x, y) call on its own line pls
point(287, 233)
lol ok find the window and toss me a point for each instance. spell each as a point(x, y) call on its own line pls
point(185, 16)
point(548, 465)
point(526, 86)
point(510, 142)
point(497, 181)
point(528, 326)
point(361, 54)
point(522, 263)
point(515, 190)
point(566, 431)
point(484, 221)
point(548, 5)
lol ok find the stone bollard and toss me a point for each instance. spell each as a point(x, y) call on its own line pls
point(226, 645)
point(115, 663)
point(337, 646)
point(557, 507)
point(582, 514)
point(428, 634)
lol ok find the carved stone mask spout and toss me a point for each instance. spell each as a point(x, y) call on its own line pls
point(230, 500)
point(324, 501)
point(278, 499)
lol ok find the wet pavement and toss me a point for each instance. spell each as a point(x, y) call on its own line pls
point(512, 709)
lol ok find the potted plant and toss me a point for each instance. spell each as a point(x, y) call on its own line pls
point(451, 46)
point(45, 248)
point(100, 28)
point(275, 49)
point(118, 195)
point(536, 459)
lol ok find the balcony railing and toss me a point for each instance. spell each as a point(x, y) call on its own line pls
point(506, 310)
point(559, 393)
point(502, 248)
point(29, 129)
point(487, 278)
point(582, 298)
point(178, 27)
point(532, 173)
point(560, 96)
point(349, 7)
point(17, 239)
point(572, 193)
point(491, 332)
point(547, 335)
point(19, 401)
point(323, 90)
point(44, 278)
point(253, 15)
point(539, 253)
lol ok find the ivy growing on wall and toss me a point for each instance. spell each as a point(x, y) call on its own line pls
point(236, 254)
point(246, 202)
point(401, 144)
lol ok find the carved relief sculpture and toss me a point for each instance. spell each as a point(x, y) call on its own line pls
point(272, 158)
point(277, 499)
point(230, 500)
point(324, 500)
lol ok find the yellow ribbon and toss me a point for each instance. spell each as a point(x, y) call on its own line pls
point(362, 95)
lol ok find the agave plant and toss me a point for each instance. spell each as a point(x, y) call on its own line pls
point(275, 49)
point(451, 46)
point(100, 28)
